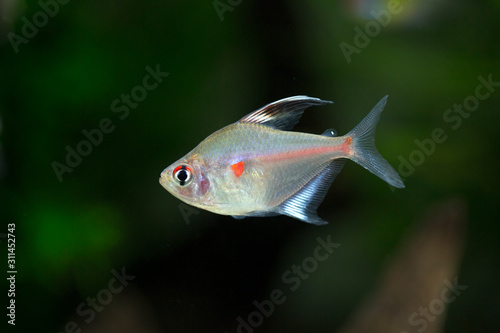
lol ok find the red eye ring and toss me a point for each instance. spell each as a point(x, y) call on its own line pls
point(183, 174)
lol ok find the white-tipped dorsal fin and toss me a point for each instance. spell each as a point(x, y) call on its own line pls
point(283, 114)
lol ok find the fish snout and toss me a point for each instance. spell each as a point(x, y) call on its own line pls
point(165, 178)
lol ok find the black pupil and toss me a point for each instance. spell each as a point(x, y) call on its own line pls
point(182, 175)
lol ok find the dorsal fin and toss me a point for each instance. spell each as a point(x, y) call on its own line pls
point(303, 204)
point(283, 114)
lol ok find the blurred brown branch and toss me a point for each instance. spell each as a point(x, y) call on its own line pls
point(415, 287)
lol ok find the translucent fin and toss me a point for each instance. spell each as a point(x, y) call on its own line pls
point(255, 214)
point(283, 114)
point(366, 154)
point(330, 133)
point(303, 204)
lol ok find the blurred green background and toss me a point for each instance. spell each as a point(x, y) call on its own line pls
point(225, 59)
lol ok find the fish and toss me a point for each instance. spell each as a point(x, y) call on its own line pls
point(258, 167)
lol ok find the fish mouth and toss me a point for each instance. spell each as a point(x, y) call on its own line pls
point(164, 179)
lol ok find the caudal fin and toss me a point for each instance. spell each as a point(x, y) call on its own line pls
point(365, 152)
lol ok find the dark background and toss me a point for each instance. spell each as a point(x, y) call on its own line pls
point(199, 274)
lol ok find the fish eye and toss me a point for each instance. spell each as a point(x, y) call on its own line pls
point(183, 174)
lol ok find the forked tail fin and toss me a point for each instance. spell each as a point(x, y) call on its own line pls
point(366, 154)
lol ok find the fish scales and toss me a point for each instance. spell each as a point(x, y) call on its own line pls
point(273, 160)
point(258, 167)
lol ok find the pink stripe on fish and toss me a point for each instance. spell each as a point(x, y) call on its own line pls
point(344, 147)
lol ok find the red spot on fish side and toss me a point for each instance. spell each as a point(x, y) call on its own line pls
point(238, 168)
point(348, 141)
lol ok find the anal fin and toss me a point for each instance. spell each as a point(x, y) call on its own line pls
point(304, 204)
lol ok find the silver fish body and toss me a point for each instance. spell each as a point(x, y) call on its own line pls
point(256, 167)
